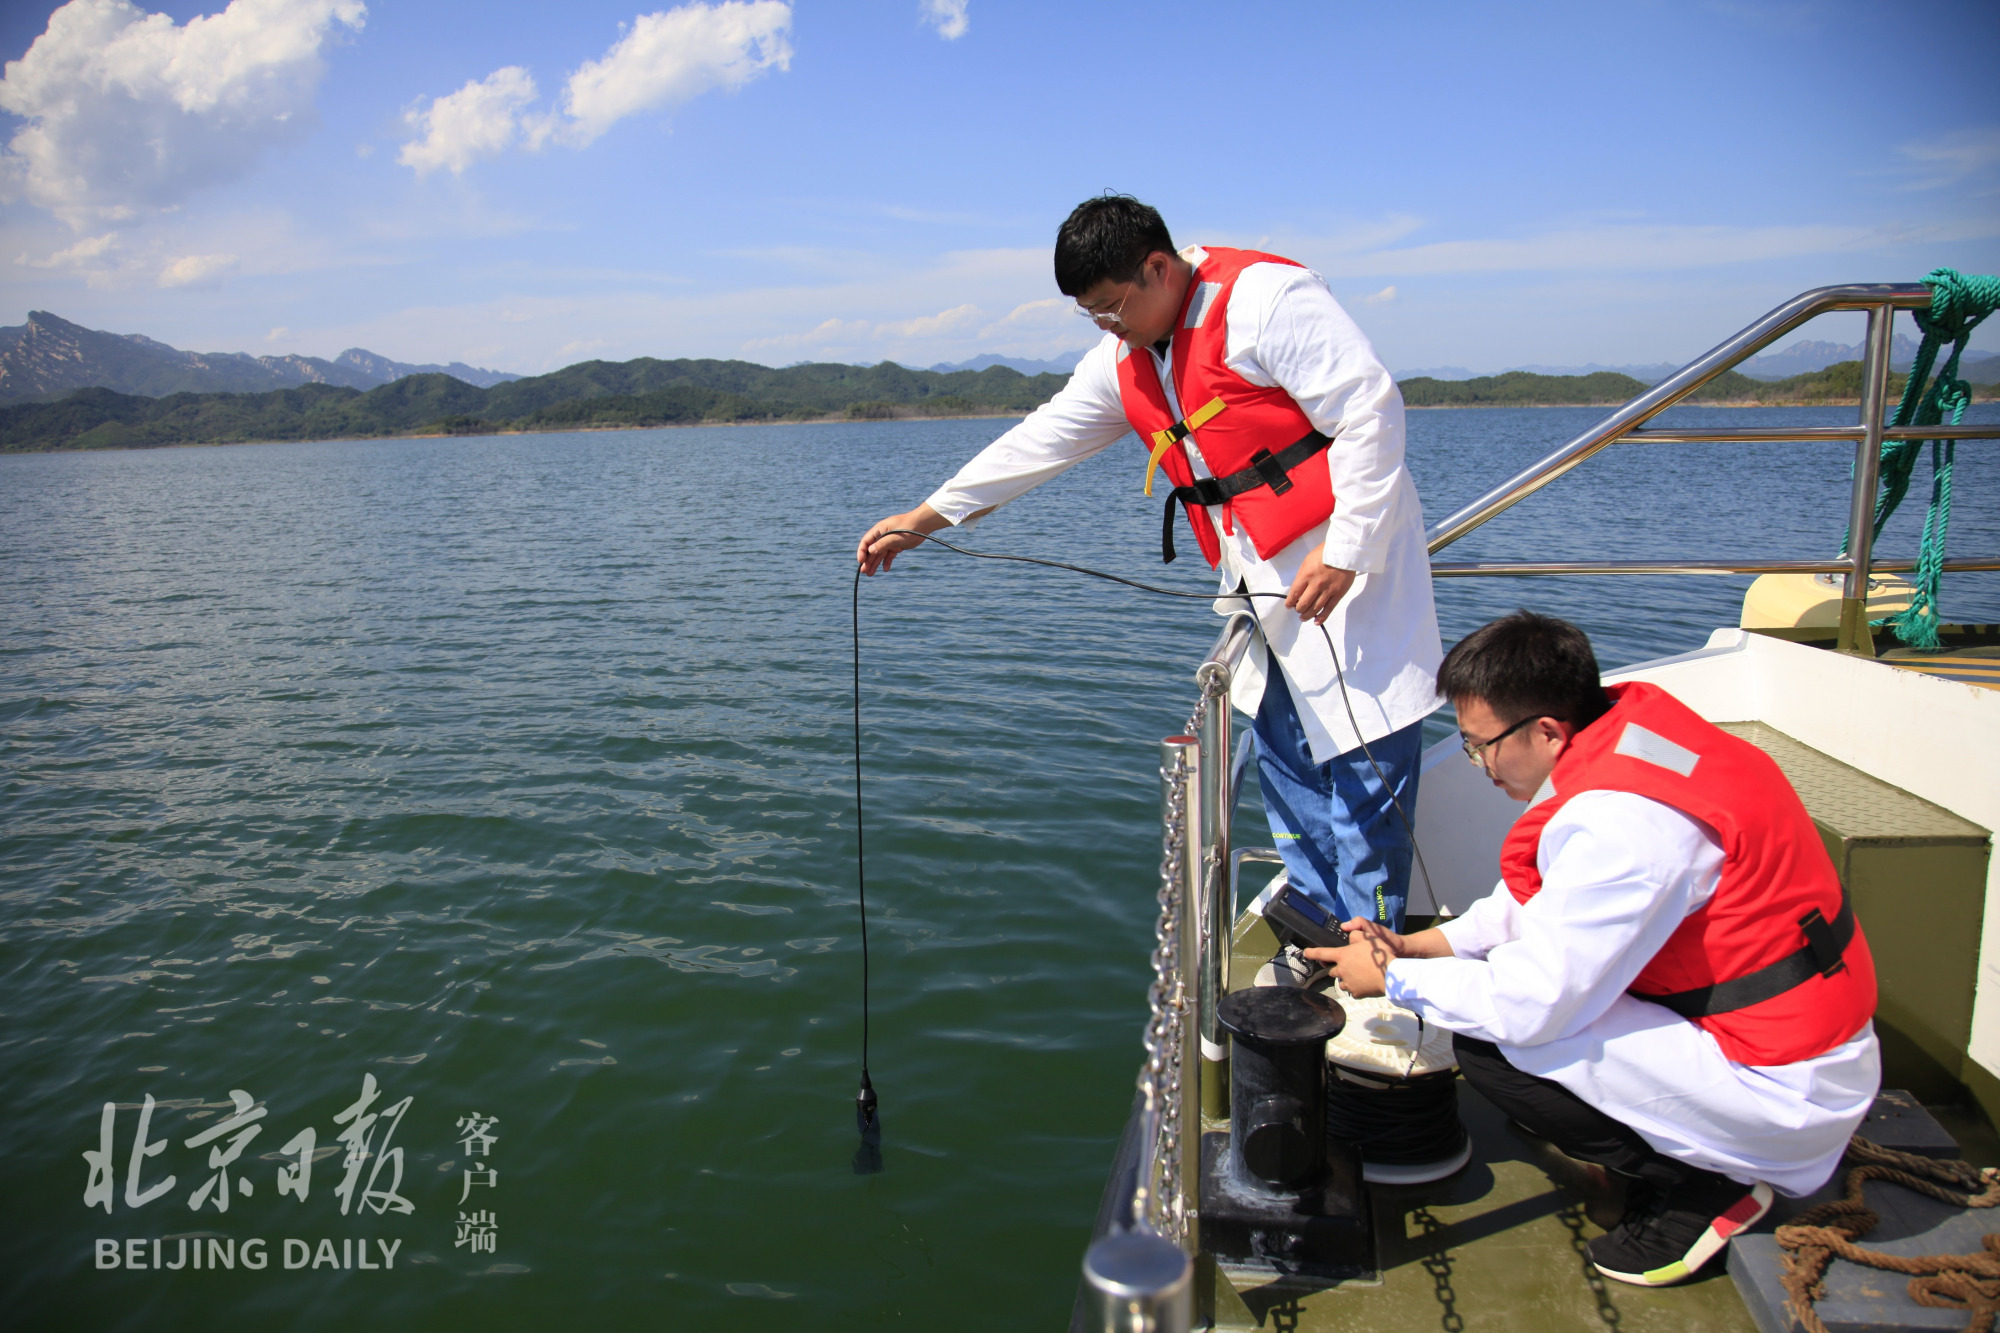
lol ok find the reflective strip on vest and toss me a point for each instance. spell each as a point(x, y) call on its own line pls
point(1261, 420)
point(1775, 874)
point(1164, 440)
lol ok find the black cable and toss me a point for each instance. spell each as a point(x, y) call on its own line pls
point(860, 845)
point(1340, 675)
point(1394, 1121)
point(868, 1157)
point(867, 1113)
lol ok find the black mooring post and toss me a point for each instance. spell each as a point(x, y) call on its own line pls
point(1277, 1095)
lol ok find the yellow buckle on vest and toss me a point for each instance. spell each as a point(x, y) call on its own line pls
point(1164, 440)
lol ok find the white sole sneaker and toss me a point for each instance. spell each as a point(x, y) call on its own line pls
point(1741, 1215)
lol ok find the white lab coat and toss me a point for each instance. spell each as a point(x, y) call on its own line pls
point(1546, 983)
point(1284, 329)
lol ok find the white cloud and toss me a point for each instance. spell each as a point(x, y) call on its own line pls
point(674, 56)
point(99, 260)
point(1037, 328)
point(663, 60)
point(1954, 157)
point(947, 16)
point(1383, 297)
point(196, 270)
point(180, 250)
point(1050, 314)
point(128, 112)
point(1630, 248)
point(958, 319)
point(826, 334)
point(479, 120)
point(947, 327)
point(76, 256)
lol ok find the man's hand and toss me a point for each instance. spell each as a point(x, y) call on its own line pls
point(1362, 963)
point(879, 551)
point(1318, 588)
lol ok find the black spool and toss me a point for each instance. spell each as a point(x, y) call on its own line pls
point(1277, 1103)
point(1395, 1121)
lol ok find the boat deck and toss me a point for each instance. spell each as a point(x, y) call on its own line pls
point(1970, 655)
point(1970, 666)
point(1499, 1247)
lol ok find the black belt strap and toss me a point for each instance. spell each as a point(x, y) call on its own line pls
point(1266, 469)
point(1826, 941)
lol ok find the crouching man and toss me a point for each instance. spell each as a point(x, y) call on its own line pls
point(1668, 980)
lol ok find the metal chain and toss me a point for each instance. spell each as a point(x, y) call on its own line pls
point(1200, 714)
point(1160, 1204)
point(1212, 869)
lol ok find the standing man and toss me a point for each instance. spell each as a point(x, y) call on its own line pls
point(1281, 436)
point(1668, 980)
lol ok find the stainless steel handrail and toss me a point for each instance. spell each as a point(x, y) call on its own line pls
point(1805, 306)
point(1867, 481)
point(1137, 1277)
point(1802, 434)
point(1459, 569)
point(1218, 791)
point(1237, 769)
point(1229, 648)
point(1625, 426)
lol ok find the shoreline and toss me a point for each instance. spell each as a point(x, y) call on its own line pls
point(1731, 402)
point(843, 421)
point(495, 434)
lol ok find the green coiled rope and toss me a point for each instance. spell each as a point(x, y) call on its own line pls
point(1958, 304)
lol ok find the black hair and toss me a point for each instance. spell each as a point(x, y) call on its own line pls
point(1525, 665)
point(1107, 237)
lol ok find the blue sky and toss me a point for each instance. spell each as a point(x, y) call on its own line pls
point(526, 185)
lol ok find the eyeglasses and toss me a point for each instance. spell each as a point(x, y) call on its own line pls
point(1105, 318)
point(1477, 753)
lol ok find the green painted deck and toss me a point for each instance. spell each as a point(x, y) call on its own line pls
point(1968, 666)
point(1497, 1247)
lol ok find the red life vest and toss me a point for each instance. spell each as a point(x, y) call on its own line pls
point(1232, 419)
point(1775, 869)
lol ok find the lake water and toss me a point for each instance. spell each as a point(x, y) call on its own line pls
point(513, 774)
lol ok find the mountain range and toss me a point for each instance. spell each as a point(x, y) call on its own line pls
point(1806, 355)
point(49, 356)
point(588, 395)
point(1062, 364)
point(1803, 357)
point(605, 394)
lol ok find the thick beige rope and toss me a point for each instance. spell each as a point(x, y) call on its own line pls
point(1818, 1236)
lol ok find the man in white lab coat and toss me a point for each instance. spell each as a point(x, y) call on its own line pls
point(1281, 436)
point(1668, 980)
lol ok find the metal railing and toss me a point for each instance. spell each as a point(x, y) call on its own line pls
point(1138, 1276)
point(1881, 301)
point(1216, 908)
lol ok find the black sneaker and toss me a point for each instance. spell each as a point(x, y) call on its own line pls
point(1667, 1235)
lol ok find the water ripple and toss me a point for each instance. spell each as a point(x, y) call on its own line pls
point(396, 759)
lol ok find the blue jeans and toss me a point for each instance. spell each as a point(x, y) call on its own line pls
point(1343, 842)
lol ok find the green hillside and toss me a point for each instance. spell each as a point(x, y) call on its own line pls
point(1519, 388)
point(645, 392)
point(1838, 383)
